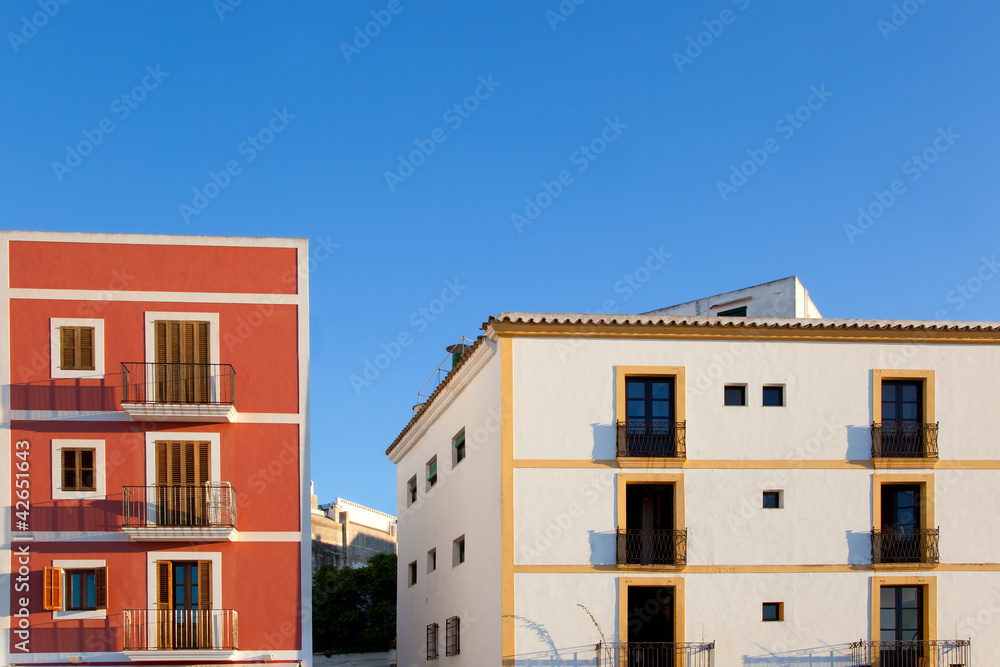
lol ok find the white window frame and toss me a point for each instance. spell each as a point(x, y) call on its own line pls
point(55, 346)
point(214, 451)
point(100, 473)
point(213, 331)
point(67, 615)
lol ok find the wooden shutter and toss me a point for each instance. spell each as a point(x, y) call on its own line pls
point(52, 598)
point(85, 348)
point(69, 477)
point(161, 463)
point(164, 585)
point(76, 348)
point(67, 346)
point(85, 470)
point(101, 588)
point(204, 584)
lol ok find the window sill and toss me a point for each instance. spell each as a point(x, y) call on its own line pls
point(651, 461)
point(81, 615)
point(905, 462)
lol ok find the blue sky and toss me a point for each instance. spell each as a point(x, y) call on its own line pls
point(739, 136)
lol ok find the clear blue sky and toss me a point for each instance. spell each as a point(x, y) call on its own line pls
point(679, 124)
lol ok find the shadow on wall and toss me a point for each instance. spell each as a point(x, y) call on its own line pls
point(572, 656)
point(602, 547)
point(859, 548)
point(87, 395)
point(834, 655)
point(859, 443)
point(604, 442)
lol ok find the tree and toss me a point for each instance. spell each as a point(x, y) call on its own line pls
point(354, 610)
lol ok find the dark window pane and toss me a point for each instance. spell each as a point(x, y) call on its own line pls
point(735, 395)
point(662, 389)
point(661, 409)
point(771, 611)
point(888, 391)
point(909, 392)
point(887, 619)
point(909, 412)
point(636, 390)
point(771, 500)
point(637, 409)
point(889, 412)
point(774, 396)
point(91, 591)
point(887, 597)
point(910, 596)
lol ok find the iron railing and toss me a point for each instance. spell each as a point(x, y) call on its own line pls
point(210, 505)
point(903, 545)
point(181, 629)
point(649, 438)
point(652, 547)
point(912, 441)
point(924, 653)
point(178, 383)
point(656, 654)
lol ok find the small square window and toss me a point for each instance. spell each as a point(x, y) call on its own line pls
point(774, 611)
point(411, 491)
point(413, 573)
point(458, 551)
point(772, 500)
point(432, 472)
point(734, 312)
point(774, 395)
point(77, 469)
point(458, 448)
point(432, 560)
point(736, 394)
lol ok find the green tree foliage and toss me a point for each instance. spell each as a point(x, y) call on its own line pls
point(354, 610)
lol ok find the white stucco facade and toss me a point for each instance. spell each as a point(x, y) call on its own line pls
point(553, 467)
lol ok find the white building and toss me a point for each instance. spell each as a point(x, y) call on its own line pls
point(750, 490)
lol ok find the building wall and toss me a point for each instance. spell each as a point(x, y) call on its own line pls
point(329, 537)
point(465, 501)
point(258, 290)
point(813, 554)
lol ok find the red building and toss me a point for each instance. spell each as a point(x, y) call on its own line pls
point(155, 420)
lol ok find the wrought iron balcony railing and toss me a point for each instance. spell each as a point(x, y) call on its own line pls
point(180, 629)
point(651, 439)
point(911, 441)
point(927, 653)
point(656, 654)
point(212, 384)
point(901, 545)
point(212, 505)
point(652, 547)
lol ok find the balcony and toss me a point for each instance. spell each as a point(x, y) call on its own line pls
point(943, 653)
point(667, 548)
point(905, 441)
point(903, 545)
point(646, 440)
point(179, 392)
point(178, 634)
point(656, 654)
point(169, 513)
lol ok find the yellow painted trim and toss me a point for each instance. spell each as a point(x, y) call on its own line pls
point(763, 333)
point(879, 374)
point(677, 479)
point(507, 499)
point(736, 464)
point(926, 482)
point(929, 585)
point(680, 387)
point(751, 569)
point(677, 583)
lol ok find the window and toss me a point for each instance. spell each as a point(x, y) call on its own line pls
point(76, 347)
point(78, 468)
point(75, 589)
point(413, 573)
point(734, 312)
point(650, 535)
point(774, 611)
point(772, 500)
point(903, 415)
point(650, 428)
point(452, 630)
point(411, 491)
point(774, 396)
point(432, 641)
point(650, 399)
point(901, 615)
point(184, 588)
point(432, 560)
point(736, 394)
point(458, 551)
point(458, 448)
point(432, 472)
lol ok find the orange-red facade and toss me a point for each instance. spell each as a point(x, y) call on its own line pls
point(199, 559)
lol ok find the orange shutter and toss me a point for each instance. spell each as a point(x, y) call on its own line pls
point(101, 587)
point(67, 347)
point(52, 588)
point(164, 586)
point(204, 584)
